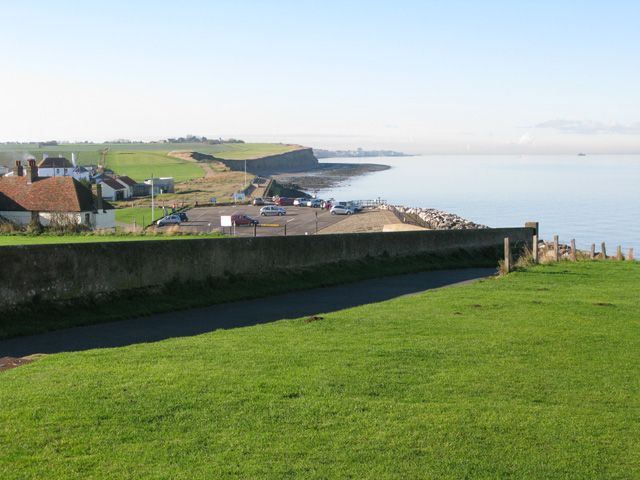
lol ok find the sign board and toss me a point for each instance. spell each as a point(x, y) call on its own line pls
point(238, 196)
point(225, 221)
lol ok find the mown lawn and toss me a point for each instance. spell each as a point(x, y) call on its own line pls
point(140, 215)
point(536, 375)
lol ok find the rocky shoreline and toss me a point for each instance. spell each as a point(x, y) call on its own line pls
point(432, 219)
point(326, 175)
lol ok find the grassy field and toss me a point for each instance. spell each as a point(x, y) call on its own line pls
point(140, 215)
point(534, 375)
point(89, 154)
point(11, 240)
point(248, 151)
point(141, 165)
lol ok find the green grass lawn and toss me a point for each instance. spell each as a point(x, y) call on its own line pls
point(141, 165)
point(536, 375)
point(10, 240)
point(140, 215)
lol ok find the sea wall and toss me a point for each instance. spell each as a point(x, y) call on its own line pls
point(72, 271)
point(299, 160)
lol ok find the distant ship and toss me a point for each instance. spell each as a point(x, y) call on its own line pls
point(582, 154)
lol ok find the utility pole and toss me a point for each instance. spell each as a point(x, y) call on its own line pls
point(245, 173)
point(152, 201)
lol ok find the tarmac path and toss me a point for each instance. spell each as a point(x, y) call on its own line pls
point(237, 314)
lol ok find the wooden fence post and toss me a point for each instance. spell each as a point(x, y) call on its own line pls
point(507, 255)
point(574, 253)
point(592, 255)
point(556, 248)
point(619, 255)
point(603, 251)
point(534, 252)
point(630, 256)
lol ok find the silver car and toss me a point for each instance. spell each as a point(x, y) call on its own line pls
point(340, 210)
point(272, 210)
point(173, 219)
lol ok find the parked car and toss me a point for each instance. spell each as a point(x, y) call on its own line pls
point(273, 210)
point(173, 219)
point(340, 210)
point(300, 202)
point(240, 219)
point(258, 201)
point(183, 216)
point(314, 203)
point(283, 201)
point(326, 204)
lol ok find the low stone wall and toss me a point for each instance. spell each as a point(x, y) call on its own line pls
point(59, 272)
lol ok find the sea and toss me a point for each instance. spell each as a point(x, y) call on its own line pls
point(592, 199)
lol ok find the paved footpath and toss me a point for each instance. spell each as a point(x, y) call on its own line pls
point(236, 314)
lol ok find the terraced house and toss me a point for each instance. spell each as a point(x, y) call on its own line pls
point(25, 197)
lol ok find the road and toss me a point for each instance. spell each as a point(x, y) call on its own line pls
point(299, 220)
point(238, 314)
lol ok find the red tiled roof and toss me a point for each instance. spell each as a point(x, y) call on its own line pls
point(49, 194)
point(55, 162)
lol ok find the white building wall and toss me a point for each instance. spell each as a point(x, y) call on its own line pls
point(63, 172)
point(108, 193)
point(105, 219)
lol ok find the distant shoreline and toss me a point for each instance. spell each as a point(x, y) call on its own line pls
point(327, 175)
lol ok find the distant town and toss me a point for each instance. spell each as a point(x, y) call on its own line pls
point(320, 153)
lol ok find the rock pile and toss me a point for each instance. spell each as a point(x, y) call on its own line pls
point(432, 218)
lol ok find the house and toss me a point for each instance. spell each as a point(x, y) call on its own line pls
point(25, 197)
point(61, 167)
point(129, 183)
point(161, 185)
point(112, 189)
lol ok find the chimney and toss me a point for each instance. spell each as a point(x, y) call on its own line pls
point(18, 170)
point(99, 204)
point(32, 171)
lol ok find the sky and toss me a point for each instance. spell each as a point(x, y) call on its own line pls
point(419, 76)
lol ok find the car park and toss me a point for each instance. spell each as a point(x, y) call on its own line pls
point(273, 210)
point(258, 201)
point(300, 202)
point(240, 219)
point(314, 203)
point(341, 210)
point(173, 219)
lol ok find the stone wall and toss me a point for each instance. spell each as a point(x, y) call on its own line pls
point(58, 272)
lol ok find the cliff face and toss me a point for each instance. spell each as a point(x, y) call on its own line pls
point(295, 161)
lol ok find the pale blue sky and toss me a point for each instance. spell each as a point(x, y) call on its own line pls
point(423, 76)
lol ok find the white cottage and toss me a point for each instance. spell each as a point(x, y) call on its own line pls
point(28, 197)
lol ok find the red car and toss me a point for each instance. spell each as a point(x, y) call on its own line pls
point(284, 201)
point(240, 219)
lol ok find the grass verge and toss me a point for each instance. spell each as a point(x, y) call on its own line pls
point(44, 239)
point(43, 316)
point(532, 375)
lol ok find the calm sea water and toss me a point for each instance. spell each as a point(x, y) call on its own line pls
point(592, 199)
